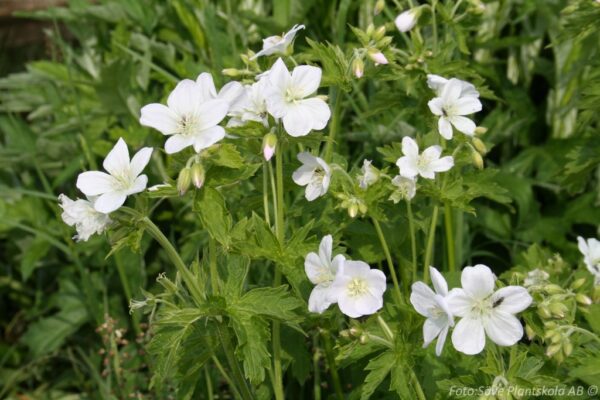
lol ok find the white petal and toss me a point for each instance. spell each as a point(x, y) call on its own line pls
point(436, 82)
point(93, 183)
point(348, 306)
point(317, 111)
point(279, 76)
point(459, 302)
point(368, 303)
point(296, 121)
point(407, 166)
point(211, 112)
point(503, 328)
point(432, 153)
point(208, 137)
point(313, 267)
point(337, 264)
point(206, 86)
point(478, 281)
point(511, 299)
point(109, 202)
point(430, 331)
point(410, 148)
point(445, 128)
point(438, 281)
point(139, 185)
point(140, 160)
point(377, 282)
point(466, 105)
point(421, 298)
point(176, 143)
point(440, 342)
point(231, 92)
point(313, 191)
point(463, 124)
point(303, 175)
point(307, 159)
point(582, 245)
point(451, 91)
point(117, 160)
point(356, 268)
point(468, 336)
point(325, 249)
point(185, 98)
point(159, 117)
point(305, 80)
point(320, 299)
point(435, 105)
point(443, 164)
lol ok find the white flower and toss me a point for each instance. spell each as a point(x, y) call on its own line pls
point(437, 83)
point(590, 249)
point(230, 92)
point(434, 307)
point(406, 20)
point(251, 105)
point(278, 44)
point(287, 98)
point(123, 178)
point(358, 289)
point(369, 175)
point(191, 116)
point(454, 102)
point(377, 57)
point(321, 270)
point(536, 277)
point(314, 173)
point(81, 214)
point(406, 188)
point(485, 311)
point(425, 164)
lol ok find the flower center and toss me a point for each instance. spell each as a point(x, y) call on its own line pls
point(357, 287)
point(317, 177)
point(188, 124)
point(483, 308)
point(423, 161)
point(293, 94)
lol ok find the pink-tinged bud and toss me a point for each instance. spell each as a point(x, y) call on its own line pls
point(184, 180)
point(377, 57)
point(407, 20)
point(358, 67)
point(198, 175)
point(269, 145)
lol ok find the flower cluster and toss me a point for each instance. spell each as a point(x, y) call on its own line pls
point(482, 309)
point(353, 285)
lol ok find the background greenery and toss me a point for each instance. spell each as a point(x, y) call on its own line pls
point(64, 307)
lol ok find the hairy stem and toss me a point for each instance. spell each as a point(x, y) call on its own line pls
point(337, 385)
point(413, 241)
point(430, 241)
point(388, 256)
point(334, 125)
point(449, 227)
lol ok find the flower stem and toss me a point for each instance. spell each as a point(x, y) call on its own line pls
point(238, 376)
point(279, 227)
point(450, 238)
point(430, 241)
point(417, 385)
point(266, 194)
point(434, 25)
point(212, 257)
point(388, 257)
point(333, 127)
point(413, 241)
point(337, 385)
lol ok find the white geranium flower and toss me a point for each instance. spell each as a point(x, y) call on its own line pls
point(230, 92)
point(485, 311)
point(287, 98)
point(191, 116)
point(82, 214)
point(278, 44)
point(406, 188)
point(425, 164)
point(452, 105)
point(251, 105)
point(314, 173)
point(321, 270)
point(406, 20)
point(122, 180)
point(369, 175)
point(358, 289)
point(590, 249)
point(437, 83)
point(434, 307)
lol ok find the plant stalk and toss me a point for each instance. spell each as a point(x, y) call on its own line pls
point(430, 241)
point(413, 241)
point(449, 227)
point(388, 256)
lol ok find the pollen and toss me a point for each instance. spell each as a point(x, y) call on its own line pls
point(357, 287)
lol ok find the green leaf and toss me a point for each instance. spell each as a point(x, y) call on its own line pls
point(211, 208)
point(276, 303)
point(379, 368)
point(226, 155)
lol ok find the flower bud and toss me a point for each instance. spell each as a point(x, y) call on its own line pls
point(530, 332)
point(556, 337)
point(558, 310)
point(370, 30)
point(583, 299)
point(480, 130)
point(479, 146)
point(567, 348)
point(553, 288)
point(379, 6)
point(407, 20)
point(353, 210)
point(363, 339)
point(544, 311)
point(198, 175)
point(577, 283)
point(477, 160)
point(553, 349)
point(379, 33)
point(377, 56)
point(233, 72)
point(269, 145)
point(184, 180)
point(358, 67)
